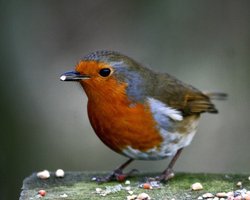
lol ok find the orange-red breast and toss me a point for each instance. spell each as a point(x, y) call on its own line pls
point(137, 112)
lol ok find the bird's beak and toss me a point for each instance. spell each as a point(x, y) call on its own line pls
point(73, 76)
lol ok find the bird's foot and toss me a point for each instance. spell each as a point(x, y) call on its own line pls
point(116, 175)
point(166, 175)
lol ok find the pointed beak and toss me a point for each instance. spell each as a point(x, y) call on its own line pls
point(73, 76)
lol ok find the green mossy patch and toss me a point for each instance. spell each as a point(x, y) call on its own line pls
point(78, 185)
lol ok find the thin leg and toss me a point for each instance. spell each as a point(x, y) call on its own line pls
point(172, 162)
point(117, 174)
point(169, 173)
point(124, 164)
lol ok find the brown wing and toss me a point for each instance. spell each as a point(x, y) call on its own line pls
point(181, 96)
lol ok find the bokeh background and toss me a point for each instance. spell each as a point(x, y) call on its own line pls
point(44, 124)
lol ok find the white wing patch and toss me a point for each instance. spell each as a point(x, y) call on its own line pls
point(157, 106)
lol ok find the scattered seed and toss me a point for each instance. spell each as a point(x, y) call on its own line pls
point(127, 188)
point(155, 184)
point(230, 194)
point(43, 174)
point(143, 196)
point(98, 190)
point(109, 189)
point(247, 197)
point(103, 194)
point(147, 186)
point(60, 173)
point(221, 194)
point(239, 184)
point(196, 186)
point(131, 197)
point(42, 193)
point(63, 195)
point(130, 192)
point(240, 192)
point(208, 195)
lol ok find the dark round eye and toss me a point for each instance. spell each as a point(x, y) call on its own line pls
point(104, 72)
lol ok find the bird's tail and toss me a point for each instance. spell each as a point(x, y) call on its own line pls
point(216, 95)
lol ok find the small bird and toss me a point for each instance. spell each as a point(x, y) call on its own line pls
point(137, 112)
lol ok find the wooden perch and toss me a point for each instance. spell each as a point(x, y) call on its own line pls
point(78, 185)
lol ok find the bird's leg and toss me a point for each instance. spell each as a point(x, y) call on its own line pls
point(169, 173)
point(117, 174)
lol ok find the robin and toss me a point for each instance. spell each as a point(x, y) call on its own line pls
point(137, 112)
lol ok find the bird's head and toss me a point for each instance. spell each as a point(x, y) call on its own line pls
point(110, 73)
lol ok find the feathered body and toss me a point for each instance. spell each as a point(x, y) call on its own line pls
point(138, 112)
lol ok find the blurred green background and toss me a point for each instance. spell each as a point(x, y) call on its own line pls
point(44, 124)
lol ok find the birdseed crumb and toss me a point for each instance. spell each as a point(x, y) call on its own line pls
point(196, 186)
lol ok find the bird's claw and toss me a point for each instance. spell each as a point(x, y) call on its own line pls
point(116, 175)
point(164, 177)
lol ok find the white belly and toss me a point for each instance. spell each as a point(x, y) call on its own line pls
point(168, 148)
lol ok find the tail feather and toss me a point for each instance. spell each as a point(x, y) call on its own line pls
point(216, 95)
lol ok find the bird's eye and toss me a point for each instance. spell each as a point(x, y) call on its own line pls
point(104, 72)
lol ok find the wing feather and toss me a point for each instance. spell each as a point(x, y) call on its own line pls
point(181, 96)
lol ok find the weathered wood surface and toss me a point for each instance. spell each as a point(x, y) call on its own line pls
point(78, 185)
